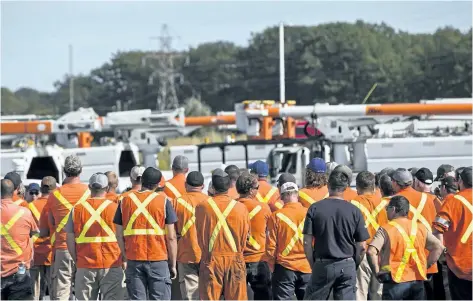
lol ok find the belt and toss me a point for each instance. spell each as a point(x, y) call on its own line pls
point(333, 259)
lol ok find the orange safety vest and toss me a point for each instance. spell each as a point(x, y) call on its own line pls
point(94, 230)
point(407, 259)
point(173, 189)
point(268, 197)
point(222, 223)
point(143, 217)
point(307, 199)
point(372, 217)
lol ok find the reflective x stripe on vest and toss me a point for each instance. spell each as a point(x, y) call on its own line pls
point(95, 217)
point(190, 221)
point(418, 212)
point(370, 217)
point(173, 189)
point(268, 197)
point(469, 230)
point(410, 250)
point(252, 240)
point(5, 231)
point(307, 197)
point(18, 202)
point(141, 209)
point(68, 206)
point(222, 222)
point(37, 215)
point(297, 232)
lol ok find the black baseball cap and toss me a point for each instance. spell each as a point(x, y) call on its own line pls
point(425, 176)
point(195, 179)
point(449, 182)
point(443, 169)
point(151, 176)
point(15, 178)
point(465, 176)
point(285, 178)
point(220, 180)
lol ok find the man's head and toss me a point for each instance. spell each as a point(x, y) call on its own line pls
point(448, 185)
point(315, 173)
point(233, 172)
point(338, 181)
point(445, 170)
point(72, 166)
point(260, 169)
point(14, 178)
point(151, 178)
point(398, 207)
point(180, 165)
point(401, 179)
point(346, 170)
point(98, 185)
point(413, 170)
point(365, 183)
point(21, 191)
point(48, 184)
point(33, 192)
point(465, 179)
point(458, 172)
point(289, 192)
point(220, 181)
point(7, 189)
point(285, 178)
point(329, 167)
point(423, 180)
point(386, 186)
point(136, 173)
point(194, 181)
point(211, 189)
point(112, 181)
point(247, 185)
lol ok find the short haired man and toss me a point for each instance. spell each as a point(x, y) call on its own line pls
point(233, 172)
point(41, 271)
point(448, 185)
point(258, 274)
point(150, 253)
point(349, 194)
point(266, 193)
point(339, 231)
point(386, 186)
point(284, 248)
point(188, 251)
point(135, 179)
point(18, 226)
point(93, 245)
point(453, 225)
point(112, 186)
point(176, 186)
point(222, 226)
point(18, 185)
point(315, 183)
point(397, 253)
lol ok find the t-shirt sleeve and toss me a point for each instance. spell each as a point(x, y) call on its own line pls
point(118, 219)
point(361, 234)
point(443, 220)
point(69, 228)
point(171, 216)
point(378, 239)
point(308, 224)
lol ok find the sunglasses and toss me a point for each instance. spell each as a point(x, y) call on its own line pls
point(34, 192)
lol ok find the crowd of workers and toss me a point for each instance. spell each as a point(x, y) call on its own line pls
point(392, 238)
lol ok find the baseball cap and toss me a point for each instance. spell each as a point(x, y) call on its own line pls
point(48, 184)
point(330, 166)
point(466, 176)
point(413, 170)
point(259, 168)
point(442, 170)
point(136, 172)
point(387, 171)
point(289, 187)
point(233, 172)
point(449, 182)
point(33, 187)
point(180, 162)
point(195, 179)
point(317, 165)
point(15, 178)
point(285, 178)
point(220, 180)
point(98, 181)
point(151, 176)
point(402, 176)
point(425, 176)
point(72, 165)
point(345, 170)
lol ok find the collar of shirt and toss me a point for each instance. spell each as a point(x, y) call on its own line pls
point(180, 177)
point(408, 190)
point(294, 205)
point(222, 197)
point(243, 200)
point(7, 201)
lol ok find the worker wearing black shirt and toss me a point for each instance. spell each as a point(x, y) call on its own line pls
point(339, 231)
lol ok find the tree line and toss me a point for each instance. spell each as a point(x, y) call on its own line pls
point(334, 63)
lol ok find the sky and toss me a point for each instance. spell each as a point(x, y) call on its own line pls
point(35, 34)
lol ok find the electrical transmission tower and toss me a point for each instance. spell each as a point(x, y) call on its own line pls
point(163, 70)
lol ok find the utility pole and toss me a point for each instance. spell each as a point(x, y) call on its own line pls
point(71, 79)
point(282, 70)
point(164, 70)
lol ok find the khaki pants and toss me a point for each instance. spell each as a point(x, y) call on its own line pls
point(41, 278)
point(62, 276)
point(189, 280)
point(367, 283)
point(108, 281)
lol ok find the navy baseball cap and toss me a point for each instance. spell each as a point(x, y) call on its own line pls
point(259, 168)
point(317, 165)
point(33, 186)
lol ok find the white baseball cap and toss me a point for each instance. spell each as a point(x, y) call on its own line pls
point(136, 172)
point(289, 187)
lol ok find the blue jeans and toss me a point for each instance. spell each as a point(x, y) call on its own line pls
point(148, 280)
point(286, 283)
point(412, 290)
point(258, 275)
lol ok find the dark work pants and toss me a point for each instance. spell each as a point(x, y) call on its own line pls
point(339, 276)
point(258, 276)
point(429, 288)
point(17, 287)
point(440, 283)
point(286, 283)
point(460, 289)
point(412, 290)
point(148, 280)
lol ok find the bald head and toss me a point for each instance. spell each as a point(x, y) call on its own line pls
point(7, 189)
